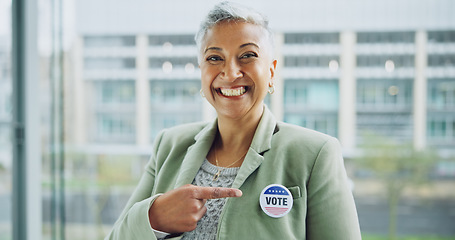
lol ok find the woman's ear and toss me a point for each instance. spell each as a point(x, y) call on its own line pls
point(272, 69)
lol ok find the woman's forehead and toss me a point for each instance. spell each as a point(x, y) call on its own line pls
point(240, 33)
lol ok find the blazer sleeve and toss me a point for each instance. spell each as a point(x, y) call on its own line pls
point(133, 222)
point(331, 209)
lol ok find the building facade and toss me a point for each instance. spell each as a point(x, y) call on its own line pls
point(387, 74)
point(340, 83)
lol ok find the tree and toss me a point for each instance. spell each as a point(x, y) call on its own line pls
point(398, 166)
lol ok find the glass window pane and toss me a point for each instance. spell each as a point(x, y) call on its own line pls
point(5, 121)
point(128, 72)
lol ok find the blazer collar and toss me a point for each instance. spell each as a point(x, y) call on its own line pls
point(196, 153)
point(262, 142)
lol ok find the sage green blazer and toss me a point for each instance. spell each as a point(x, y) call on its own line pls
point(307, 162)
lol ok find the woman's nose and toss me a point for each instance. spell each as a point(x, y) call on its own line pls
point(231, 71)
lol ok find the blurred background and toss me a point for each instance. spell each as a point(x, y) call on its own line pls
point(110, 74)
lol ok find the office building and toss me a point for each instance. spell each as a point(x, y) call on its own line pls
point(390, 75)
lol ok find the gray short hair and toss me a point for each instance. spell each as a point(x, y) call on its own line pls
point(228, 11)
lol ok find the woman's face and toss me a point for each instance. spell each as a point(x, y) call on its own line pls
point(236, 68)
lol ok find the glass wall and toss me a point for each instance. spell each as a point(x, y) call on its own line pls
point(113, 74)
point(5, 121)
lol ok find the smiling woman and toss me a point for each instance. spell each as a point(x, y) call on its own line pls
point(236, 70)
point(209, 181)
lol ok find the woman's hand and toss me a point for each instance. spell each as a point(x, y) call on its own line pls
point(179, 210)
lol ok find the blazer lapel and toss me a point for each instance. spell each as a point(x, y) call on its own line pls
point(196, 155)
point(262, 142)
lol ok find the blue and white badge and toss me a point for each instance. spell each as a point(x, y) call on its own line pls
point(276, 200)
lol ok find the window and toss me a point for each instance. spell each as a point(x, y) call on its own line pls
point(174, 102)
point(441, 94)
point(384, 95)
point(441, 129)
point(312, 104)
point(114, 110)
point(380, 60)
point(110, 63)
point(384, 107)
point(393, 125)
point(109, 41)
point(441, 36)
point(309, 61)
point(177, 62)
point(115, 128)
point(175, 91)
point(441, 60)
point(326, 123)
point(115, 92)
point(311, 94)
point(311, 38)
point(385, 37)
point(172, 39)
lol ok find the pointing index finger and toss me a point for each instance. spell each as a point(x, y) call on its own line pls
point(217, 192)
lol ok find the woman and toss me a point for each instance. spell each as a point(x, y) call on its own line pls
point(245, 175)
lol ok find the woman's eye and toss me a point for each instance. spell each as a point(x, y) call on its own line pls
point(214, 58)
point(249, 55)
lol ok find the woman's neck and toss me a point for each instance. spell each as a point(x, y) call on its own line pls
point(235, 135)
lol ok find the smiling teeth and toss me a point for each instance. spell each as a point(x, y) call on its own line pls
point(233, 92)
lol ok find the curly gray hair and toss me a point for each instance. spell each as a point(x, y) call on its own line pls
point(228, 11)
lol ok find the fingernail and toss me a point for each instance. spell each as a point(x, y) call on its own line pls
point(238, 193)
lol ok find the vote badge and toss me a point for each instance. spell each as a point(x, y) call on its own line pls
point(276, 200)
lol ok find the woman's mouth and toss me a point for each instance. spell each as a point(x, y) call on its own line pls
point(232, 92)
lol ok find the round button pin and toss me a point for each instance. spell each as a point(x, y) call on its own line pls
point(276, 200)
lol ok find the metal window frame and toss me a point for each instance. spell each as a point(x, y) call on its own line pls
point(26, 192)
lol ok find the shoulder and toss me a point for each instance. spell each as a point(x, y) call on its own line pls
point(176, 140)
